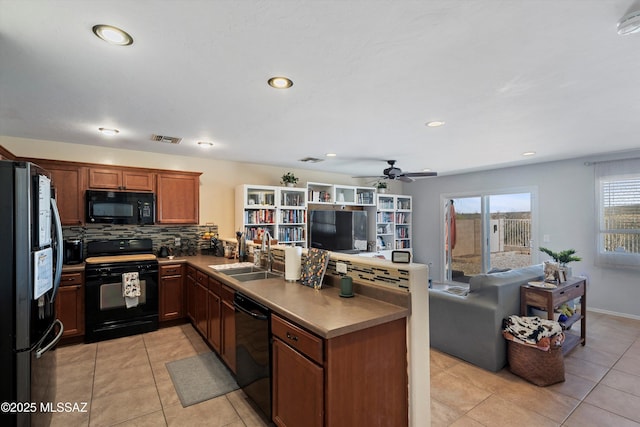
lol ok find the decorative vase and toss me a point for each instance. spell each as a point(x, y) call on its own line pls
point(382, 190)
point(290, 184)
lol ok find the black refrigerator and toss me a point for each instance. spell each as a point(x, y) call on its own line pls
point(30, 269)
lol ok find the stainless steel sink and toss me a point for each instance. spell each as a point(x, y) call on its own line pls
point(240, 270)
point(256, 275)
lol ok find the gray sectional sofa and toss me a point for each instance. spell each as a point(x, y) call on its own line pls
point(469, 325)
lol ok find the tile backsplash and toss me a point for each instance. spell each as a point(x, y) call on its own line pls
point(191, 241)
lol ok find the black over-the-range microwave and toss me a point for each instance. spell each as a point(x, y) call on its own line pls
point(120, 207)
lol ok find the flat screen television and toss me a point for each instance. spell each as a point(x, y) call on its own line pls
point(338, 231)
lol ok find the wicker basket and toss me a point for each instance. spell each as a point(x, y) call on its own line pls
point(541, 368)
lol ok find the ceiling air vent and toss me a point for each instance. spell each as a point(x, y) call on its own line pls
point(311, 160)
point(167, 139)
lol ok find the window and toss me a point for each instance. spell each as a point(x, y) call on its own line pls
point(618, 204)
point(487, 232)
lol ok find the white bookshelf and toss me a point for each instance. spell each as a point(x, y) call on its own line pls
point(280, 210)
point(393, 215)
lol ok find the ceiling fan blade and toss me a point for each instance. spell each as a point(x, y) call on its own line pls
point(419, 174)
point(371, 176)
point(404, 178)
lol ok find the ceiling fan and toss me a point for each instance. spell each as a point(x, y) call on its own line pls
point(392, 172)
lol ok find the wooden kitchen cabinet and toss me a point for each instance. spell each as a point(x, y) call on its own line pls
point(177, 192)
point(214, 314)
point(191, 294)
point(70, 184)
point(6, 154)
point(355, 379)
point(178, 197)
point(200, 303)
point(120, 179)
point(228, 327)
point(70, 304)
point(298, 376)
point(171, 293)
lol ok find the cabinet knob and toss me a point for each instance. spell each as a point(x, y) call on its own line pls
point(292, 337)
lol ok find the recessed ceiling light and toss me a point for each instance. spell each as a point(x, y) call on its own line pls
point(426, 170)
point(331, 154)
point(112, 35)
point(108, 132)
point(435, 123)
point(205, 144)
point(280, 82)
point(529, 153)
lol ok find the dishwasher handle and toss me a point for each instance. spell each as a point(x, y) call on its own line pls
point(250, 313)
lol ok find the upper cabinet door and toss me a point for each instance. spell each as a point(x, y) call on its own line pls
point(69, 183)
point(107, 179)
point(137, 181)
point(178, 197)
point(118, 179)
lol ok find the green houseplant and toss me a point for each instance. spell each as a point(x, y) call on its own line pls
point(381, 186)
point(562, 257)
point(289, 179)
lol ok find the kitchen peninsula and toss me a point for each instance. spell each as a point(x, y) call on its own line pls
point(365, 357)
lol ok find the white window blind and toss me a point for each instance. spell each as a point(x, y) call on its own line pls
point(618, 204)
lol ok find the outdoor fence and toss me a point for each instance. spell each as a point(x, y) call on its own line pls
point(628, 241)
point(517, 232)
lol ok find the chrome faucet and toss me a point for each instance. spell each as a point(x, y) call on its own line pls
point(266, 235)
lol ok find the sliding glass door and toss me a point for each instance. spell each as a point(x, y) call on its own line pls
point(487, 232)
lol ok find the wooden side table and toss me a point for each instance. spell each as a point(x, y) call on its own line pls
point(550, 298)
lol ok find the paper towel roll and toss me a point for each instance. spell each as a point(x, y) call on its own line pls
point(292, 263)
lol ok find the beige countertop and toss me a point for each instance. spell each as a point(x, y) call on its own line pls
point(322, 311)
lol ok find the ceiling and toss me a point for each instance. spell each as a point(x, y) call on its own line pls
point(507, 77)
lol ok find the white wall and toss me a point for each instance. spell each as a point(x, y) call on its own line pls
point(566, 212)
point(217, 182)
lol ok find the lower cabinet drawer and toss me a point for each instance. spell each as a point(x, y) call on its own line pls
point(68, 279)
point(227, 293)
point(573, 292)
point(170, 270)
point(296, 337)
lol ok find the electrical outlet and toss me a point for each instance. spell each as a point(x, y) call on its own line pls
point(341, 267)
point(546, 238)
point(176, 242)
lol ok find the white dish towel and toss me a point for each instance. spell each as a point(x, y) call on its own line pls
point(131, 288)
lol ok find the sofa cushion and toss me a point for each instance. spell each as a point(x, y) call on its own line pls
point(462, 291)
point(520, 276)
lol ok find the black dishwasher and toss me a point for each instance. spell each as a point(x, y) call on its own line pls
point(253, 351)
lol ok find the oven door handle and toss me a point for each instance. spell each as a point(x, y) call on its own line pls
point(250, 313)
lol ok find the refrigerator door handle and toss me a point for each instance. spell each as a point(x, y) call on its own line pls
point(54, 341)
point(58, 249)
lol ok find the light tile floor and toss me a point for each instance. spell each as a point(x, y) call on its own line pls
point(601, 387)
point(126, 383)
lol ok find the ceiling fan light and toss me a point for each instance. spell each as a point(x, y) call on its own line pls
point(112, 35)
point(629, 23)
